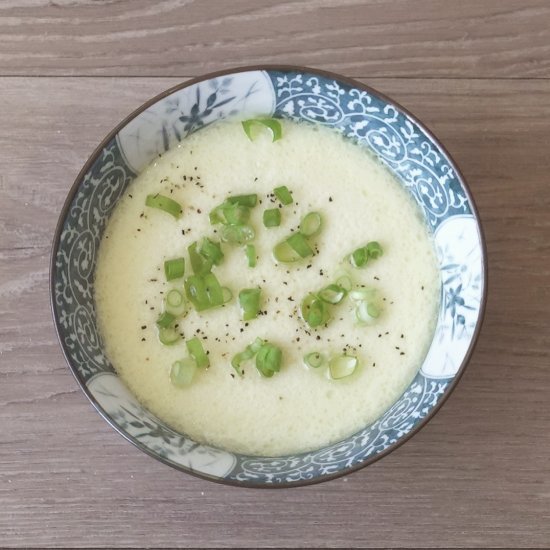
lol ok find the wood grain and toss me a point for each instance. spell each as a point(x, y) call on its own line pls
point(363, 38)
point(477, 475)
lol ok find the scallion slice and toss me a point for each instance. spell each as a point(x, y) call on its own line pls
point(168, 335)
point(314, 311)
point(284, 253)
point(250, 252)
point(342, 366)
point(272, 217)
point(249, 352)
point(273, 124)
point(311, 224)
point(174, 269)
point(213, 290)
point(165, 319)
point(237, 234)
point(345, 282)
point(359, 257)
point(300, 245)
point(268, 360)
point(195, 349)
point(182, 372)
point(204, 291)
point(199, 264)
point(332, 294)
point(174, 303)
point(314, 359)
point(164, 203)
point(211, 250)
point(366, 312)
point(249, 301)
point(374, 250)
point(361, 294)
point(244, 200)
point(283, 194)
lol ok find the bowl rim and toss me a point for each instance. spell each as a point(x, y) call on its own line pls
point(282, 68)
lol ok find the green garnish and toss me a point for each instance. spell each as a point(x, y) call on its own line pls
point(249, 301)
point(342, 366)
point(182, 372)
point(332, 294)
point(314, 359)
point(300, 245)
point(165, 319)
point(314, 311)
point(250, 251)
point(237, 234)
point(164, 203)
point(211, 250)
point(268, 360)
point(283, 194)
point(272, 217)
point(249, 352)
point(168, 335)
point(360, 256)
point(283, 252)
point(174, 303)
point(174, 269)
point(204, 291)
point(345, 282)
point(244, 200)
point(194, 346)
point(311, 224)
point(366, 312)
point(273, 124)
point(199, 264)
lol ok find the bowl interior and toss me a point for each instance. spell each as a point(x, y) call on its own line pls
point(360, 114)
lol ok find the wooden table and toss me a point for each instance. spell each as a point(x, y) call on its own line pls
point(477, 72)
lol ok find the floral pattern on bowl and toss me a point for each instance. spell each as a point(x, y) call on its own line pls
point(362, 115)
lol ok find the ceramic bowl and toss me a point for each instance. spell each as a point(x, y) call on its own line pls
point(374, 122)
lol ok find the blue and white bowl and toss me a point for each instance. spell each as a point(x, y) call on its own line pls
point(364, 116)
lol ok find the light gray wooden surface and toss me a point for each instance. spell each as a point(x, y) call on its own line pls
point(478, 74)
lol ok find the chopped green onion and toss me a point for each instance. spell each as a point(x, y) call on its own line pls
point(213, 290)
point(332, 294)
point(362, 294)
point(174, 303)
point(194, 346)
point(268, 360)
point(271, 123)
point(164, 203)
point(249, 352)
point(227, 212)
point(249, 301)
point(199, 264)
point(283, 194)
point(182, 372)
point(299, 244)
point(237, 234)
point(314, 359)
point(250, 252)
point(227, 294)
point(374, 250)
point(211, 250)
point(244, 200)
point(314, 311)
point(165, 319)
point(168, 335)
point(204, 291)
point(345, 282)
point(342, 366)
point(311, 224)
point(367, 312)
point(272, 217)
point(174, 269)
point(359, 257)
point(283, 252)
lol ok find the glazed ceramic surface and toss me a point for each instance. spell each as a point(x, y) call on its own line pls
point(360, 114)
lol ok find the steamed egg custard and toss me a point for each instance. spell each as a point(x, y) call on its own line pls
point(266, 287)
